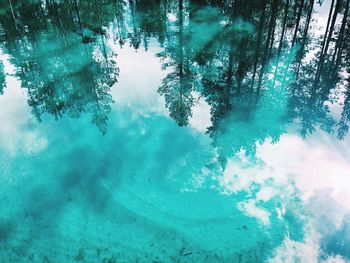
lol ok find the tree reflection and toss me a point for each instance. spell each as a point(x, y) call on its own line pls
point(258, 64)
point(2, 78)
point(250, 79)
point(344, 121)
point(178, 83)
point(63, 74)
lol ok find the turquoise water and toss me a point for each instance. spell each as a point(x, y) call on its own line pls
point(170, 131)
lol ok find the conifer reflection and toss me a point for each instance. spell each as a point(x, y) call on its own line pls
point(241, 57)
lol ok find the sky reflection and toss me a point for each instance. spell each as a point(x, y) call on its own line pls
point(168, 132)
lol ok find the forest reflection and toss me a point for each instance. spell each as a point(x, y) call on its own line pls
point(259, 64)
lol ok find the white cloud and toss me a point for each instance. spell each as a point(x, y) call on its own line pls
point(15, 118)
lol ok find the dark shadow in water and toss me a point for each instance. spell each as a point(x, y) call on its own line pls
point(6, 229)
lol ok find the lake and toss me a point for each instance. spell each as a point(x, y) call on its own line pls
point(174, 131)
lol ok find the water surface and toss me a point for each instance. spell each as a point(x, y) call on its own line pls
point(174, 131)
